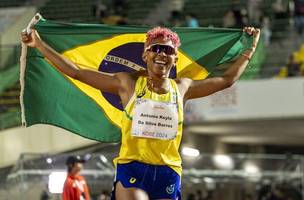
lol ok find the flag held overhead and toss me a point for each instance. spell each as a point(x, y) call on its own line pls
point(50, 97)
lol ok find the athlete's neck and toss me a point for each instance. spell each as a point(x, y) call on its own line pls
point(159, 85)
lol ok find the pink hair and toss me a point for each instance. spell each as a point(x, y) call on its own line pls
point(165, 33)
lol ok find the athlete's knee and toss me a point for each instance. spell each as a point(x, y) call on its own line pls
point(123, 193)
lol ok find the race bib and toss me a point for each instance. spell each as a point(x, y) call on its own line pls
point(153, 119)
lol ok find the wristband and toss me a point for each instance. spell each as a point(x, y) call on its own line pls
point(252, 48)
point(246, 56)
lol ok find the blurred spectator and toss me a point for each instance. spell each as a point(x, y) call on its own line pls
point(45, 195)
point(176, 22)
point(191, 21)
point(123, 20)
point(264, 192)
point(266, 30)
point(199, 195)
point(299, 15)
point(233, 19)
point(209, 195)
point(176, 9)
point(254, 8)
point(191, 196)
point(282, 191)
point(280, 8)
point(240, 14)
point(114, 20)
point(229, 20)
point(293, 67)
point(281, 18)
point(75, 186)
point(239, 17)
point(120, 7)
point(105, 195)
point(100, 10)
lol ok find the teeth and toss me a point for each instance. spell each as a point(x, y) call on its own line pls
point(160, 62)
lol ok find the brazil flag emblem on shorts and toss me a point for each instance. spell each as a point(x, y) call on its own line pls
point(49, 97)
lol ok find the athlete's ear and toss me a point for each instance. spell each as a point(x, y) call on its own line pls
point(175, 60)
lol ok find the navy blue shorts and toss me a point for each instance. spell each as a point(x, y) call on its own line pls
point(158, 181)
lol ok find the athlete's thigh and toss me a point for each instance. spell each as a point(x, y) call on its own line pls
point(122, 193)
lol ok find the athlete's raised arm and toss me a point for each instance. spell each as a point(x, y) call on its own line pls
point(105, 82)
point(200, 88)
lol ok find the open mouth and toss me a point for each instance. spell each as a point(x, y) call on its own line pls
point(160, 62)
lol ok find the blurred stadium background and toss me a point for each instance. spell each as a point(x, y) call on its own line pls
point(244, 143)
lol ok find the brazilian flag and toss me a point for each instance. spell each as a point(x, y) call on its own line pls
point(50, 97)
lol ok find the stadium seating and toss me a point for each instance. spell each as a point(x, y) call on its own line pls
point(68, 10)
point(83, 11)
point(207, 12)
point(10, 107)
point(139, 9)
point(11, 3)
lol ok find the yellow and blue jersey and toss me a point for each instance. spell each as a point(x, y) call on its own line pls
point(150, 150)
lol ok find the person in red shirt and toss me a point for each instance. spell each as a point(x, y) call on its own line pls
point(75, 186)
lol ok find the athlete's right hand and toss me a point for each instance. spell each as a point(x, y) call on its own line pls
point(32, 39)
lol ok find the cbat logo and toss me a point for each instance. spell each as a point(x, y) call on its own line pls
point(132, 180)
point(124, 58)
point(170, 189)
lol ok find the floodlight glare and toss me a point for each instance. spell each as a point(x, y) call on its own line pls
point(187, 151)
point(56, 181)
point(223, 161)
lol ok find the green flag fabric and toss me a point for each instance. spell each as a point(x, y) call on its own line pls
point(49, 97)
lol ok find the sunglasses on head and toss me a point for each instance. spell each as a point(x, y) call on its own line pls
point(158, 48)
